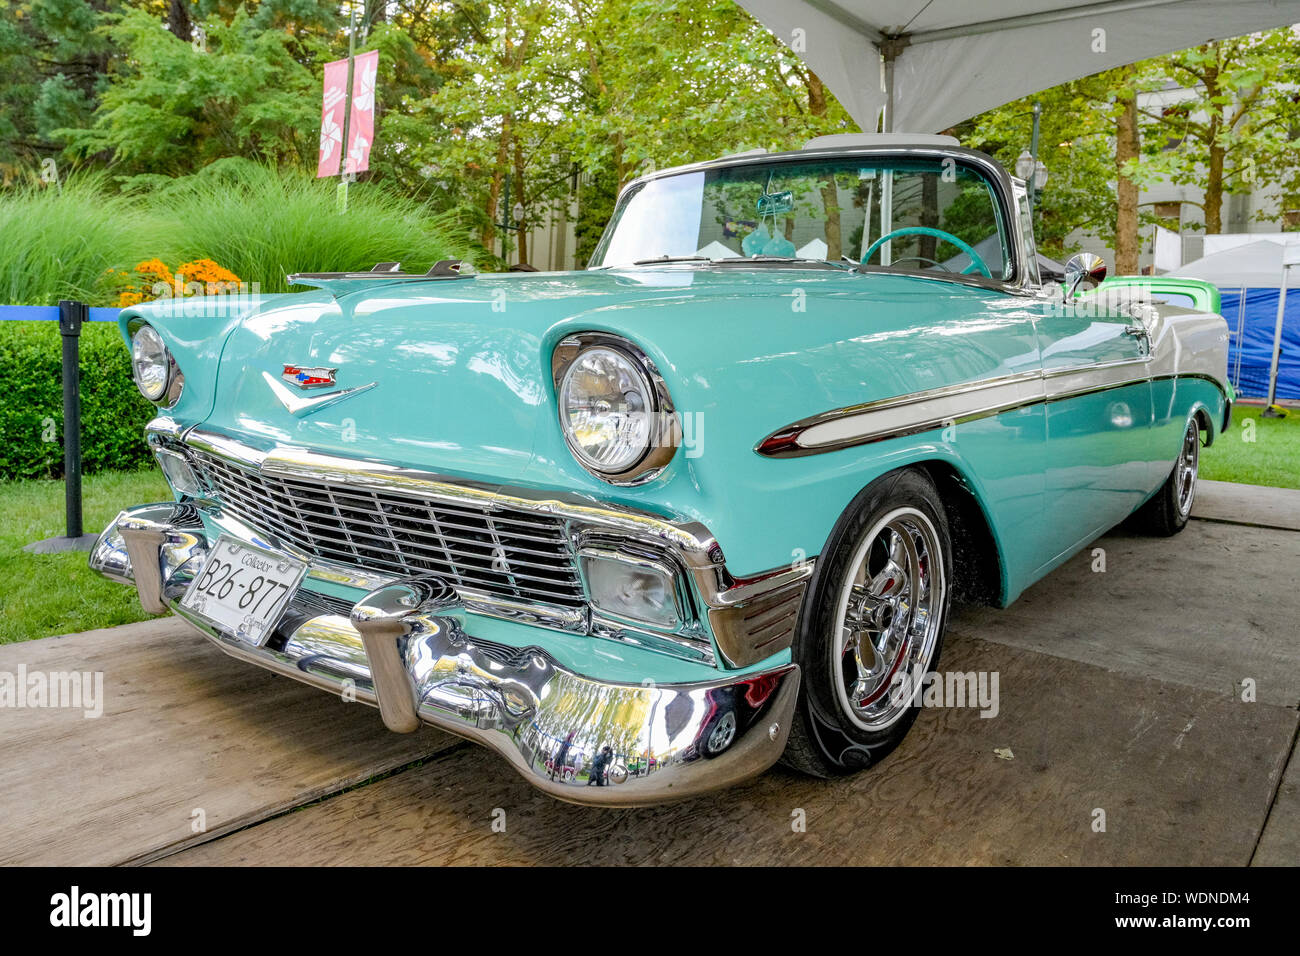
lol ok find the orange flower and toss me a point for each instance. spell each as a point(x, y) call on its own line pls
point(155, 270)
point(138, 285)
point(205, 270)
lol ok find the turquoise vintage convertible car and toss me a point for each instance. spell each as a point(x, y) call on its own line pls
point(646, 528)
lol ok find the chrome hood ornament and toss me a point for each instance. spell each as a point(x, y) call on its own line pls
point(302, 405)
point(305, 376)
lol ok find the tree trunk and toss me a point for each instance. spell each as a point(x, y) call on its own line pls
point(929, 245)
point(1214, 174)
point(178, 19)
point(1214, 193)
point(519, 191)
point(494, 192)
point(1127, 146)
point(830, 196)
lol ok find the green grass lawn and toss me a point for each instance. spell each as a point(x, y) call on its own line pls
point(46, 594)
point(1272, 458)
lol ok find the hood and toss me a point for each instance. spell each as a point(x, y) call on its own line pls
point(454, 376)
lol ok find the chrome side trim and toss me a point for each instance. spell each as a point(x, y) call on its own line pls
point(903, 415)
point(906, 415)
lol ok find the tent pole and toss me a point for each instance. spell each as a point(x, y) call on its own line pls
point(889, 46)
point(889, 92)
point(889, 50)
point(1241, 326)
point(1290, 257)
point(1277, 351)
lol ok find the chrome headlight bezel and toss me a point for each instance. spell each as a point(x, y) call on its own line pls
point(664, 433)
point(173, 380)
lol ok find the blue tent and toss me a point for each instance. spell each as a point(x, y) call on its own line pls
point(1254, 349)
point(1249, 279)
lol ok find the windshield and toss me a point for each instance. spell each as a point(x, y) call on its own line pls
point(821, 210)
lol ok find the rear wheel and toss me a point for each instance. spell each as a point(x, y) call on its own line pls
point(1166, 514)
point(872, 627)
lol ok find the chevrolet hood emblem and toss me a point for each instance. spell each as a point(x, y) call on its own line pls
point(308, 377)
point(303, 405)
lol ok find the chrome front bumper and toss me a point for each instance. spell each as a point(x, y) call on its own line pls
point(406, 648)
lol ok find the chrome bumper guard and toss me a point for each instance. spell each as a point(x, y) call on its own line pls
point(405, 648)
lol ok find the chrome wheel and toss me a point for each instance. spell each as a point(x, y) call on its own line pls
point(889, 615)
point(724, 732)
point(1185, 469)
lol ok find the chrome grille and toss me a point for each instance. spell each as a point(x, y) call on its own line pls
point(505, 553)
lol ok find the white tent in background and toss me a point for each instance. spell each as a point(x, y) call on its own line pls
point(815, 249)
point(1224, 241)
point(1254, 266)
point(942, 61)
point(716, 250)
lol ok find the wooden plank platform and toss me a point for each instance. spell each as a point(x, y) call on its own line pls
point(1247, 504)
point(1184, 776)
point(1279, 844)
point(184, 728)
point(1211, 607)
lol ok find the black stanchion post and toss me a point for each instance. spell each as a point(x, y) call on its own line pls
point(71, 317)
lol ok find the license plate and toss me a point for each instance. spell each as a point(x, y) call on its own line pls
point(244, 588)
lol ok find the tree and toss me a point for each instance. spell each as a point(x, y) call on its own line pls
point(1077, 127)
point(1230, 125)
point(54, 60)
point(172, 108)
point(1128, 143)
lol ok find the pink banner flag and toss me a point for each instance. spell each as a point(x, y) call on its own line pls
point(331, 118)
point(361, 124)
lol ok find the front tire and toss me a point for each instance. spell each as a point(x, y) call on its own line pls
point(872, 626)
point(1166, 514)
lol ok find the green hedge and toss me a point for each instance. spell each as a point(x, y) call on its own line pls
point(113, 413)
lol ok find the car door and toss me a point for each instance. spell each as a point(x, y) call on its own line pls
point(1097, 385)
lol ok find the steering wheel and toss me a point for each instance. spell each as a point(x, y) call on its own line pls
point(975, 261)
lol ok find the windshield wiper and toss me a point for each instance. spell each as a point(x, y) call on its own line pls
point(657, 260)
point(797, 261)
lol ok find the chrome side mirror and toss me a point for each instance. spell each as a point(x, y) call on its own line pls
point(1083, 266)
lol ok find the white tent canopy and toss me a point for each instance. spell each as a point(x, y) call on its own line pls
point(1257, 265)
point(943, 61)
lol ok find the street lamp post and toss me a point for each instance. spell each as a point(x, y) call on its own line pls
point(1033, 152)
point(505, 224)
point(1028, 166)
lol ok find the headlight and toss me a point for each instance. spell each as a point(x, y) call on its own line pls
point(614, 408)
point(153, 367)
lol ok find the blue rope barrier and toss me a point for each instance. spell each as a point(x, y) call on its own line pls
point(50, 313)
